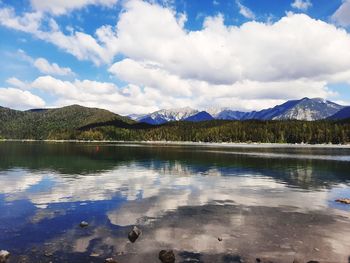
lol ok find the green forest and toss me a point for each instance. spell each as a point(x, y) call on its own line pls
point(227, 131)
point(81, 123)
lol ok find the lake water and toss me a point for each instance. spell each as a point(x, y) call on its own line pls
point(275, 203)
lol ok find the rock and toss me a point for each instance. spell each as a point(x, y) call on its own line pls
point(167, 256)
point(4, 255)
point(261, 260)
point(134, 234)
point(343, 201)
point(220, 239)
point(110, 260)
point(83, 224)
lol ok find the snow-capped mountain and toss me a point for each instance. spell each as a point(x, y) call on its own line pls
point(163, 116)
point(200, 116)
point(135, 116)
point(342, 114)
point(304, 109)
point(310, 109)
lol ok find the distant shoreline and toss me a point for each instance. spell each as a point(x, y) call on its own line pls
point(188, 143)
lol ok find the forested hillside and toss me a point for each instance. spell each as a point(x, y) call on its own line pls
point(51, 123)
point(232, 131)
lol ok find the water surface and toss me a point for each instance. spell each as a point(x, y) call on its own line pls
point(275, 203)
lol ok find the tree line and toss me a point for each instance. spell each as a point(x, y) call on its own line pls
point(291, 131)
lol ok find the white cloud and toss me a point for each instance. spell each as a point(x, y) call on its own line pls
point(99, 94)
point(15, 82)
point(19, 99)
point(28, 22)
point(59, 7)
point(46, 67)
point(101, 49)
point(245, 11)
point(294, 47)
point(342, 15)
point(301, 4)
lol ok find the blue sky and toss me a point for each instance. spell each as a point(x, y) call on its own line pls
point(134, 56)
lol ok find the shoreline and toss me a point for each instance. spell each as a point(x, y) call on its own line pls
point(189, 143)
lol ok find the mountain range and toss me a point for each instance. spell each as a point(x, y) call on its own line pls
point(82, 123)
point(303, 109)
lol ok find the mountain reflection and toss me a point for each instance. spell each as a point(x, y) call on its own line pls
point(72, 160)
point(183, 198)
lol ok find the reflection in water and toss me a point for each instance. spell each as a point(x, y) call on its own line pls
point(184, 198)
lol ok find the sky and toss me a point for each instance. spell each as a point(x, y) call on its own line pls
point(139, 56)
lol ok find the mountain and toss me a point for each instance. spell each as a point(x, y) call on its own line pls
point(228, 114)
point(43, 123)
point(342, 114)
point(77, 122)
point(163, 116)
point(304, 109)
point(200, 116)
point(310, 109)
point(136, 117)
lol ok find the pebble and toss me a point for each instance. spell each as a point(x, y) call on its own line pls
point(4, 255)
point(167, 256)
point(110, 260)
point(259, 260)
point(343, 201)
point(134, 234)
point(83, 224)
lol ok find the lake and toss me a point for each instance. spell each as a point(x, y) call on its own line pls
point(261, 202)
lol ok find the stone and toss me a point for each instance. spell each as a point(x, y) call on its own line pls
point(83, 224)
point(343, 201)
point(167, 256)
point(261, 260)
point(4, 256)
point(134, 234)
point(110, 260)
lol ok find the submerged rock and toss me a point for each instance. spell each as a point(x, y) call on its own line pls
point(343, 201)
point(83, 224)
point(110, 260)
point(134, 234)
point(167, 256)
point(4, 255)
point(261, 260)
